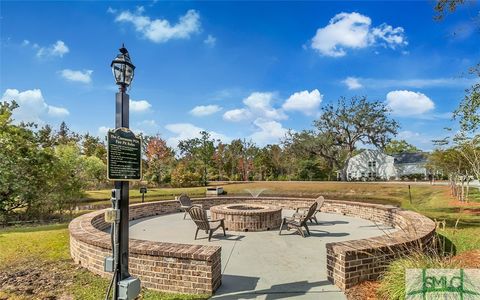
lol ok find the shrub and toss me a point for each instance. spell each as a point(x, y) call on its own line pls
point(392, 284)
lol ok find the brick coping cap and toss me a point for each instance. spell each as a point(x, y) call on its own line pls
point(83, 229)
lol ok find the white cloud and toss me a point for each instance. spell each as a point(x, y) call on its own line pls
point(183, 131)
point(388, 36)
point(84, 76)
point(57, 112)
point(58, 49)
point(139, 106)
point(148, 123)
point(260, 104)
point(111, 10)
point(304, 101)
point(408, 103)
point(257, 105)
point(25, 43)
point(102, 131)
point(354, 31)
point(205, 110)
point(269, 132)
point(160, 30)
point(352, 83)
point(210, 41)
point(32, 106)
point(417, 82)
point(237, 115)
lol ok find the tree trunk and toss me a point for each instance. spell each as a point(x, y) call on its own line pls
point(468, 189)
point(463, 189)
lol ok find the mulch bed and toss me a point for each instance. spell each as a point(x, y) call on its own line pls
point(366, 290)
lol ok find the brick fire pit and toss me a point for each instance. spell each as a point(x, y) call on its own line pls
point(248, 217)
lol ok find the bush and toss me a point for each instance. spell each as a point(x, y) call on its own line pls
point(392, 284)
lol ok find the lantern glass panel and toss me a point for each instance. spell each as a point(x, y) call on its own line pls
point(128, 74)
point(118, 71)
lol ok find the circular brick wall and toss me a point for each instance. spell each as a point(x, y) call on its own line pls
point(197, 269)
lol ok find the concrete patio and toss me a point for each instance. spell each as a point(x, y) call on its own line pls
point(266, 265)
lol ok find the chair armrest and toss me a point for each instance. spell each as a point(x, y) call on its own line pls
point(217, 220)
point(302, 207)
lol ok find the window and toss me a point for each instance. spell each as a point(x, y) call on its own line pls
point(372, 164)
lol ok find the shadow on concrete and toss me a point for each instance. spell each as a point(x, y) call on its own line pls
point(219, 236)
point(315, 233)
point(243, 287)
point(328, 223)
point(322, 233)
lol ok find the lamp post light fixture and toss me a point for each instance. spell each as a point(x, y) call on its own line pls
point(125, 286)
point(122, 68)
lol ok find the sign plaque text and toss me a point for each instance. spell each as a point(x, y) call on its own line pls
point(124, 155)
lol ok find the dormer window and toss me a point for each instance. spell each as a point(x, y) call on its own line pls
point(372, 164)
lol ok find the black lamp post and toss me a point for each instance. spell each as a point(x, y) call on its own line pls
point(123, 71)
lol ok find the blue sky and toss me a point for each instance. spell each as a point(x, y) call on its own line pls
point(239, 70)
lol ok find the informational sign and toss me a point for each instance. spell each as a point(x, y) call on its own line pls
point(124, 155)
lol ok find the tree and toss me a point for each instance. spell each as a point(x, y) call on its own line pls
point(69, 178)
point(25, 165)
point(92, 146)
point(444, 6)
point(159, 160)
point(182, 176)
point(400, 146)
point(356, 121)
point(65, 136)
point(199, 153)
point(95, 171)
point(468, 112)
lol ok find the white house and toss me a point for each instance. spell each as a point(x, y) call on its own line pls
point(374, 164)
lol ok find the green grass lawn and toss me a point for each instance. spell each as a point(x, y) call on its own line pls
point(30, 255)
point(36, 264)
point(432, 201)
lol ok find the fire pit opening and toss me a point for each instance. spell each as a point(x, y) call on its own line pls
point(248, 217)
point(245, 207)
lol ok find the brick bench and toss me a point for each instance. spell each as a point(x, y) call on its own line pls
point(196, 269)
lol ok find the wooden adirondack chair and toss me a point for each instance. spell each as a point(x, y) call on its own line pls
point(299, 221)
point(186, 203)
point(199, 216)
point(301, 211)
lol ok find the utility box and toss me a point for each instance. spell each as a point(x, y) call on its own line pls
point(108, 264)
point(214, 191)
point(129, 288)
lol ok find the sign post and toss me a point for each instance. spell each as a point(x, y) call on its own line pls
point(124, 165)
point(143, 191)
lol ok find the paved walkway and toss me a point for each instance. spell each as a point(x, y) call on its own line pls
point(264, 265)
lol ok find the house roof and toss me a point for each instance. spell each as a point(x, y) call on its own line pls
point(410, 158)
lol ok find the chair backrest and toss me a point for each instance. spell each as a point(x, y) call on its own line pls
point(199, 216)
point(310, 212)
point(320, 200)
point(184, 200)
